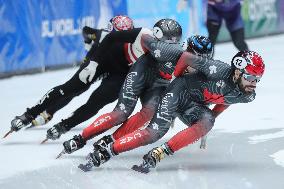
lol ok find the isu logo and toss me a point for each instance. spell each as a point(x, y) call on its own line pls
point(220, 83)
point(169, 65)
point(212, 69)
point(157, 53)
point(122, 107)
point(155, 126)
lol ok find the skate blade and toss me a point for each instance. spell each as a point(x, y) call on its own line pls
point(140, 169)
point(61, 153)
point(30, 127)
point(202, 146)
point(8, 133)
point(87, 167)
point(42, 142)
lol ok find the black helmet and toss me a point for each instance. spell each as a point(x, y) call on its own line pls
point(167, 30)
point(200, 46)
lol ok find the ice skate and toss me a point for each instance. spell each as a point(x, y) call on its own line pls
point(19, 122)
point(55, 132)
point(151, 159)
point(72, 145)
point(101, 154)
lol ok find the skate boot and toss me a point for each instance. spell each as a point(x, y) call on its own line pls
point(151, 159)
point(102, 150)
point(42, 119)
point(74, 144)
point(104, 142)
point(56, 131)
point(21, 121)
point(101, 154)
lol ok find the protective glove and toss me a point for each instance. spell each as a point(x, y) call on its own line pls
point(88, 46)
point(88, 73)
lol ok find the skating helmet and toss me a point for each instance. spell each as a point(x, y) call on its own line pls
point(200, 46)
point(119, 23)
point(167, 30)
point(250, 64)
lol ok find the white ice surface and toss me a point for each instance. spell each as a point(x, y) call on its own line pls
point(265, 137)
point(21, 152)
point(279, 157)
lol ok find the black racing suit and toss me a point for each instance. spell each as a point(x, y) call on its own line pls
point(92, 37)
point(113, 66)
point(187, 97)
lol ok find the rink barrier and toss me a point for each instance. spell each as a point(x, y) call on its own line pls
point(261, 18)
point(41, 35)
point(45, 35)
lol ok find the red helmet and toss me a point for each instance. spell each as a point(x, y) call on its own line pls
point(119, 23)
point(249, 62)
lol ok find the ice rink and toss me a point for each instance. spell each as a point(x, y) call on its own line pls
point(245, 148)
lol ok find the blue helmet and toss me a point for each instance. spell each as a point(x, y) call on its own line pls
point(200, 45)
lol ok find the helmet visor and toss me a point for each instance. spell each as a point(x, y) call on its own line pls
point(251, 78)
